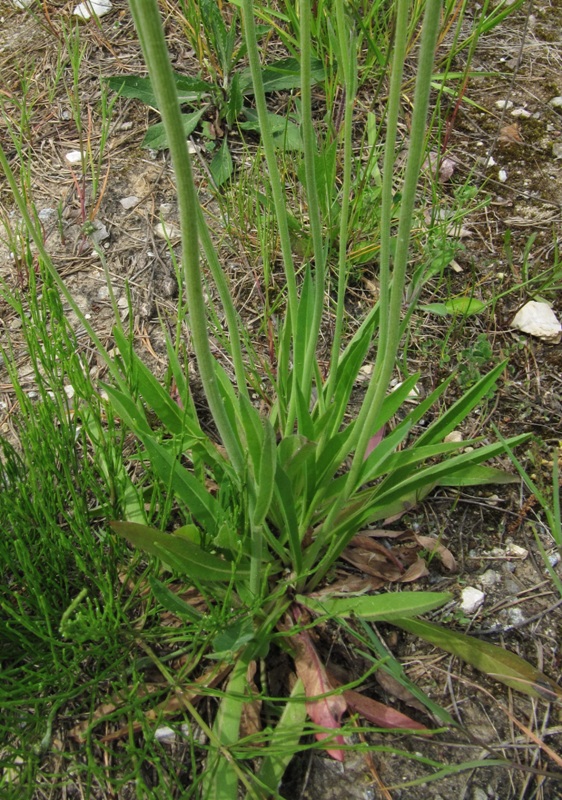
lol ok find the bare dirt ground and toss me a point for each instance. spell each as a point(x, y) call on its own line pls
point(491, 533)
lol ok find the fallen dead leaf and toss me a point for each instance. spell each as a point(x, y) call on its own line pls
point(433, 544)
point(325, 711)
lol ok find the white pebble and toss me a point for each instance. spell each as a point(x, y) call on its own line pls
point(471, 599)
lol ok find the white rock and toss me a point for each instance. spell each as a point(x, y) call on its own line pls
point(515, 551)
point(501, 104)
point(489, 578)
point(23, 3)
point(471, 599)
point(454, 436)
point(557, 150)
point(521, 113)
point(538, 319)
point(164, 734)
point(129, 202)
point(502, 176)
point(92, 8)
point(74, 157)
point(167, 231)
point(554, 559)
point(556, 102)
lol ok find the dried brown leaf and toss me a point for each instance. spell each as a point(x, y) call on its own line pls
point(433, 544)
point(415, 571)
point(510, 134)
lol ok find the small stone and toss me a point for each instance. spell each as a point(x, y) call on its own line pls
point(479, 794)
point(538, 319)
point(554, 559)
point(556, 102)
point(489, 578)
point(471, 599)
point(129, 202)
point(515, 551)
point(521, 113)
point(502, 176)
point(504, 104)
point(74, 157)
point(515, 616)
point(454, 436)
point(167, 231)
point(557, 150)
point(92, 8)
point(100, 232)
point(164, 734)
point(46, 214)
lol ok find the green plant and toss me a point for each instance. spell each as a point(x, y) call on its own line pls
point(265, 516)
point(223, 102)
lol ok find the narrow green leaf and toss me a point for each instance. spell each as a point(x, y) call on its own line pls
point(265, 479)
point(377, 607)
point(458, 412)
point(183, 555)
point(172, 602)
point(494, 661)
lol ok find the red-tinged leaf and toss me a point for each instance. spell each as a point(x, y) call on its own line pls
point(374, 441)
point(324, 711)
point(379, 714)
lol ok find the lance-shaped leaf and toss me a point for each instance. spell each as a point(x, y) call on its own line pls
point(375, 712)
point(181, 554)
point(323, 706)
point(378, 607)
point(494, 661)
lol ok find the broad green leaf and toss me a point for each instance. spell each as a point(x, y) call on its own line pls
point(233, 638)
point(285, 133)
point(494, 661)
point(377, 607)
point(156, 137)
point(221, 166)
point(464, 306)
point(172, 602)
point(189, 89)
point(184, 556)
point(282, 75)
point(235, 101)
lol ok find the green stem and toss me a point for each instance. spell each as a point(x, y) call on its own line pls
point(277, 192)
point(392, 285)
point(310, 152)
point(348, 59)
point(147, 22)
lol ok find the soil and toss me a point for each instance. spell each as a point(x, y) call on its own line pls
point(511, 239)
